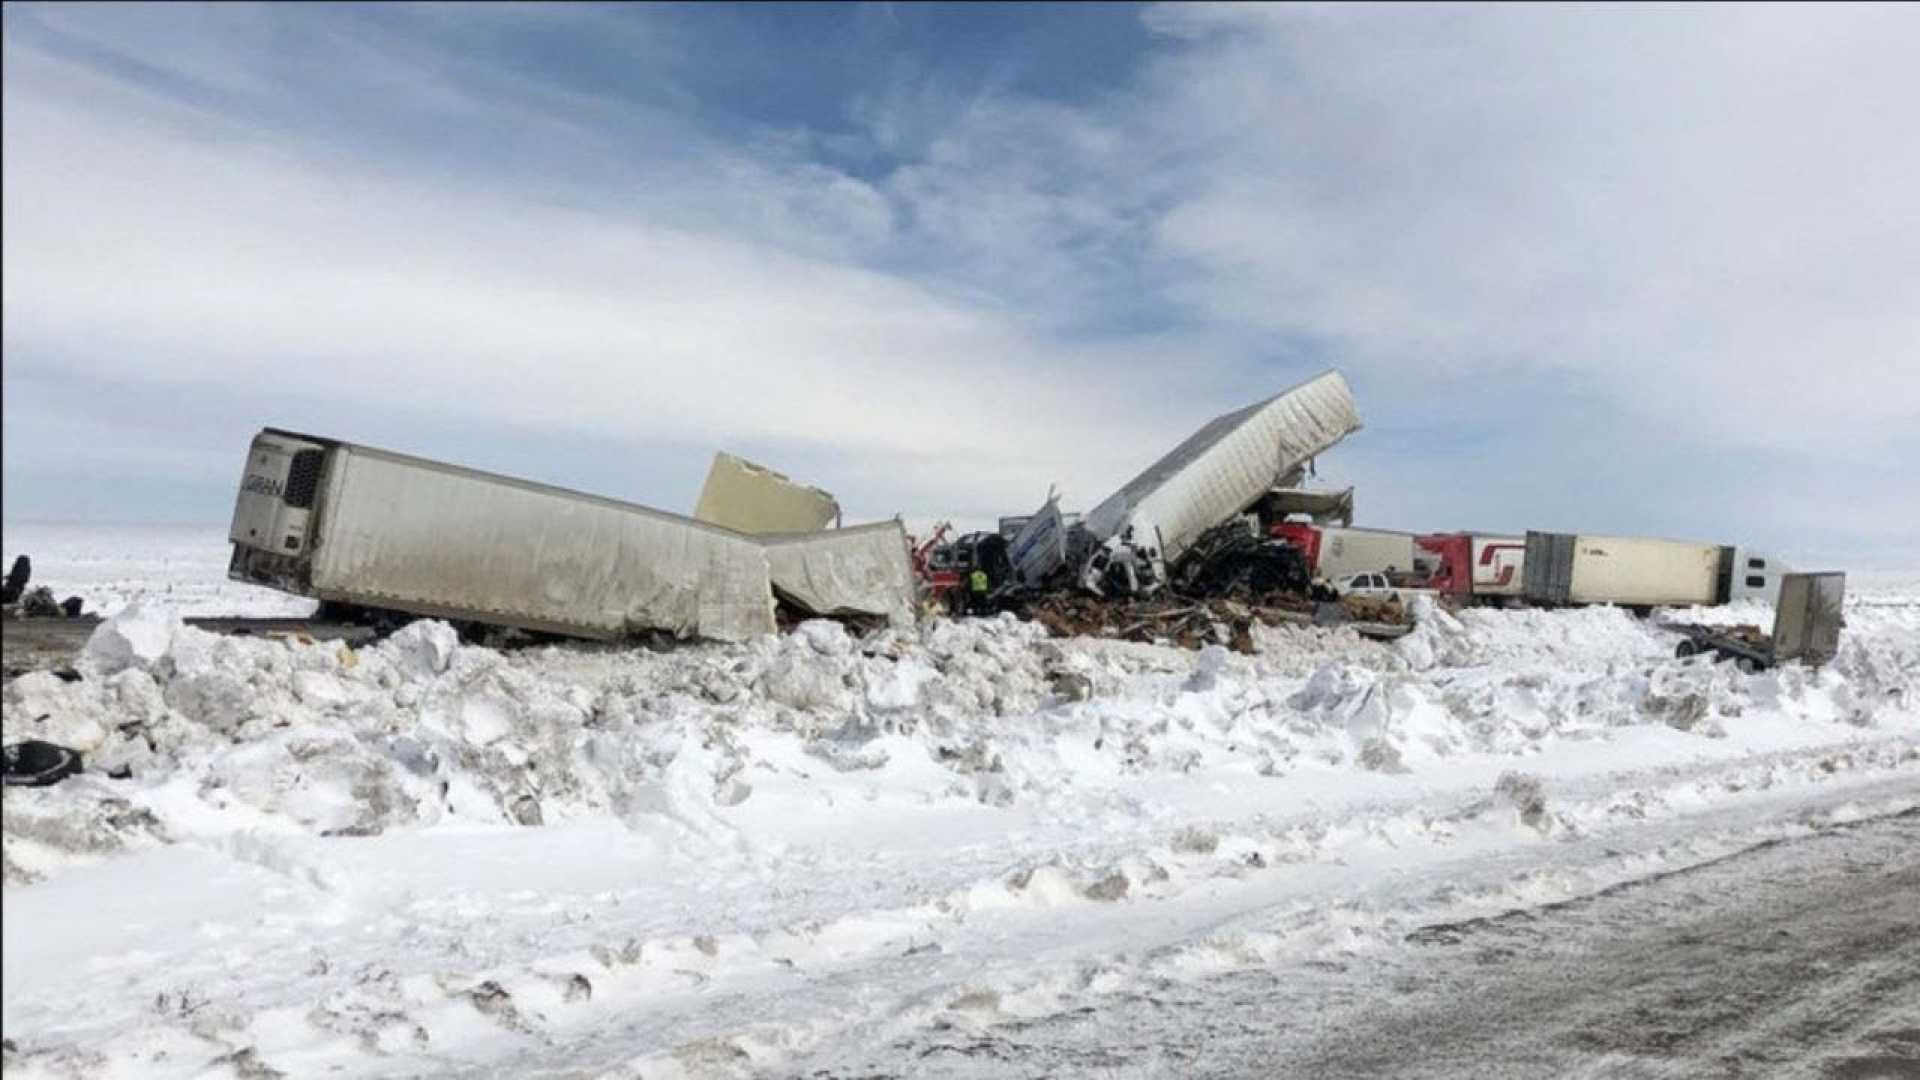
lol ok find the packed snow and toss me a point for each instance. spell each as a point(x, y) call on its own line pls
point(428, 857)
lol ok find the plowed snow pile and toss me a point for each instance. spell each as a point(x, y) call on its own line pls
point(427, 857)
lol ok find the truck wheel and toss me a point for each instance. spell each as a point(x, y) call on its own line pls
point(1744, 664)
point(1685, 649)
point(34, 763)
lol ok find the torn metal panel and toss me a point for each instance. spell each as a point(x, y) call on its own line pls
point(1010, 526)
point(1040, 547)
point(863, 570)
point(756, 500)
point(1226, 466)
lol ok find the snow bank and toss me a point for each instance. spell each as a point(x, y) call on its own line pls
point(422, 856)
point(418, 730)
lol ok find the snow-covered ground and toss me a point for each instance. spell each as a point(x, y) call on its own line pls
point(428, 858)
point(111, 566)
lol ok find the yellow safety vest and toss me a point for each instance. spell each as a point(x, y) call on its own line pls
point(978, 579)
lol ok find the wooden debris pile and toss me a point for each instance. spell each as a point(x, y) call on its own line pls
point(1189, 624)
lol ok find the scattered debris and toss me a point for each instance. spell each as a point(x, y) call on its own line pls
point(1806, 626)
point(1187, 623)
point(17, 577)
point(20, 602)
point(1072, 686)
point(1230, 559)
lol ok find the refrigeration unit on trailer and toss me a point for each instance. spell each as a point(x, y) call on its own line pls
point(352, 524)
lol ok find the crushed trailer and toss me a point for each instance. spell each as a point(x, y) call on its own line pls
point(359, 527)
point(1216, 474)
point(1806, 627)
point(862, 570)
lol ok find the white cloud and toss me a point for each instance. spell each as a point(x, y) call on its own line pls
point(1712, 214)
point(1695, 227)
point(149, 243)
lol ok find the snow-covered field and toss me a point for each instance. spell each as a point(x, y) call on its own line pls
point(110, 566)
point(428, 858)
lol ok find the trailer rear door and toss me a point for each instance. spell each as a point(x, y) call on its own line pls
point(1548, 568)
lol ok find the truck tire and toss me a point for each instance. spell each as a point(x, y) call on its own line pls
point(1685, 649)
point(34, 763)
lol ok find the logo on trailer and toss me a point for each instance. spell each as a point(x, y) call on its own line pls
point(1492, 552)
point(261, 485)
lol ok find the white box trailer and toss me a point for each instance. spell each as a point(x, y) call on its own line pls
point(1625, 569)
point(1564, 568)
point(329, 519)
point(1226, 467)
point(1356, 551)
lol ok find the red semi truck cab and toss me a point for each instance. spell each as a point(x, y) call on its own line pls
point(1303, 536)
point(1454, 575)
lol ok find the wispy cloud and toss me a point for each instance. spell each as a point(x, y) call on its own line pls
point(1676, 249)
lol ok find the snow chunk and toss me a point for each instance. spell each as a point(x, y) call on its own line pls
point(898, 685)
point(827, 637)
point(424, 647)
point(138, 637)
point(41, 706)
point(806, 683)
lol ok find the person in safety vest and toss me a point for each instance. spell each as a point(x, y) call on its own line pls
point(977, 585)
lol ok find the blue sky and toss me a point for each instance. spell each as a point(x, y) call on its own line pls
point(1632, 269)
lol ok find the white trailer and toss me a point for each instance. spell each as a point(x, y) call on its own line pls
point(352, 524)
point(1219, 472)
point(1563, 568)
point(1344, 552)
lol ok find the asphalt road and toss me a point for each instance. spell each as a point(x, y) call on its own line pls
point(1798, 958)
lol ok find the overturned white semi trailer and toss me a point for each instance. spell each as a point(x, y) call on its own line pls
point(1219, 472)
point(352, 524)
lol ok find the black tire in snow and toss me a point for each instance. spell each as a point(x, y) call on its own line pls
point(34, 763)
